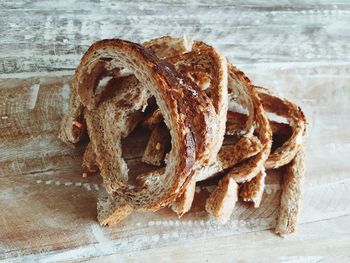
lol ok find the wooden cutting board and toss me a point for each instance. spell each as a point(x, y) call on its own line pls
point(49, 207)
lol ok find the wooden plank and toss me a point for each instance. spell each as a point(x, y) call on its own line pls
point(299, 49)
point(37, 39)
point(52, 194)
point(250, 247)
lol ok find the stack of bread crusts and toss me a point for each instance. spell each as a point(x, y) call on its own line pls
point(189, 96)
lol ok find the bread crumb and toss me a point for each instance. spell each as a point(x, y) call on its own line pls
point(158, 146)
point(84, 175)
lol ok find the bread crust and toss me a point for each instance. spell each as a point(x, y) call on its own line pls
point(283, 154)
point(221, 202)
point(296, 119)
point(291, 194)
point(253, 190)
point(208, 69)
point(248, 170)
point(252, 167)
point(186, 116)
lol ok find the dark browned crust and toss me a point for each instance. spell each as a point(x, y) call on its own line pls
point(203, 63)
point(190, 64)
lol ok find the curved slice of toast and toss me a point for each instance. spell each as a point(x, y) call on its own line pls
point(208, 69)
point(163, 47)
point(186, 109)
point(248, 170)
point(281, 107)
point(204, 72)
point(219, 83)
point(251, 167)
point(296, 119)
point(284, 153)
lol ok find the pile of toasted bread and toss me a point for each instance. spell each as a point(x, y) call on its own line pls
point(189, 97)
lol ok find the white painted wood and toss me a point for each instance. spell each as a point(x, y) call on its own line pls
point(52, 35)
point(256, 247)
point(300, 49)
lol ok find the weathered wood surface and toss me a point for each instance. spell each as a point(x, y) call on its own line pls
point(300, 50)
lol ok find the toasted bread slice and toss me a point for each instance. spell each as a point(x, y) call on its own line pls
point(208, 69)
point(187, 112)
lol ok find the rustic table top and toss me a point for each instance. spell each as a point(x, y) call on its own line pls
point(299, 50)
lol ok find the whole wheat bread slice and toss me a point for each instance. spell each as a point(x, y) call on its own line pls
point(187, 112)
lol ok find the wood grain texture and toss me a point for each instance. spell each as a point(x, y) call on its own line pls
point(298, 49)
